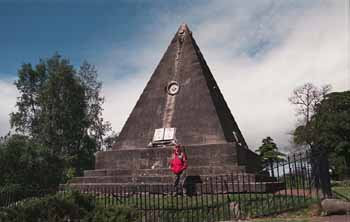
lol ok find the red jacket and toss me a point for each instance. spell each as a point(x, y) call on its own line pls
point(178, 163)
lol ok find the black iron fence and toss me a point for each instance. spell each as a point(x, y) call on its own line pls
point(285, 185)
point(11, 197)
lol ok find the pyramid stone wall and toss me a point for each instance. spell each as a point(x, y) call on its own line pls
point(198, 111)
point(204, 125)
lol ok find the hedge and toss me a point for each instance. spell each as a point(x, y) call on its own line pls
point(72, 206)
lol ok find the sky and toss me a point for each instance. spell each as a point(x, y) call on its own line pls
point(258, 50)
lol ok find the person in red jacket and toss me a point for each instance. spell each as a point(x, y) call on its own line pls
point(178, 165)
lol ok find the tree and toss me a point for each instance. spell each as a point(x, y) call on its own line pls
point(268, 152)
point(28, 164)
point(62, 116)
point(29, 83)
point(330, 126)
point(98, 127)
point(61, 108)
point(110, 140)
point(306, 98)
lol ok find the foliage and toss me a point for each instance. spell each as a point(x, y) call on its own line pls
point(326, 118)
point(338, 166)
point(306, 98)
point(10, 188)
point(117, 213)
point(181, 208)
point(27, 164)
point(66, 206)
point(57, 207)
point(342, 183)
point(110, 140)
point(342, 191)
point(330, 127)
point(268, 151)
point(87, 75)
point(61, 108)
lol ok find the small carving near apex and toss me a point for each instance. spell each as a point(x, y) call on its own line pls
point(183, 28)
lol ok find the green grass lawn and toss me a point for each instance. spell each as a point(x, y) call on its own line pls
point(284, 220)
point(209, 207)
point(306, 214)
point(342, 190)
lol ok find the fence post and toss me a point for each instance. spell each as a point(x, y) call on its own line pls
point(320, 170)
point(325, 178)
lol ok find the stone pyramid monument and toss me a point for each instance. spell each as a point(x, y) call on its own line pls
point(181, 103)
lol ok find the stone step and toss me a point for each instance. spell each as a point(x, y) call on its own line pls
point(122, 179)
point(164, 188)
point(245, 178)
point(195, 161)
point(205, 170)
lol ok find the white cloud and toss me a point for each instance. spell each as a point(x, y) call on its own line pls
point(258, 51)
point(121, 96)
point(8, 96)
point(300, 42)
point(314, 50)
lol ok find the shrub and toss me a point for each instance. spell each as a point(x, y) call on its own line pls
point(113, 214)
point(25, 162)
point(69, 206)
point(58, 207)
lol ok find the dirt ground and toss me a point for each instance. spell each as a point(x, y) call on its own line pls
point(333, 218)
point(309, 214)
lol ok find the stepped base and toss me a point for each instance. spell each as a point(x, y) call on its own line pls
point(209, 155)
point(168, 178)
point(132, 167)
point(212, 170)
point(234, 183)
point(191, 189)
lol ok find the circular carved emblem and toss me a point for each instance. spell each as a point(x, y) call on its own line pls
point(173, 88)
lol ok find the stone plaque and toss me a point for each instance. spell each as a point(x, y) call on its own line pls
point(169, 133)
point(158, 134)
point(162, 134)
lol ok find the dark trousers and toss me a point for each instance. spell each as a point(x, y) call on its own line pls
point(179, 181)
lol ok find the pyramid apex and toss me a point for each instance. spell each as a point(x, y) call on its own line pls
point(183, 28)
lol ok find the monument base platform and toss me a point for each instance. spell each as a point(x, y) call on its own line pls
point(208, 165)
point(192, 185)
point(149, 158)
